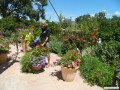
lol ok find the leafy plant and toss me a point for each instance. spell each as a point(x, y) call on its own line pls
point(38, 56)
point(55, 46)
point(96, 72)
point(35, 58)
point(39, 51)
point(4, 46)
point(26, 66)
point(70, 60)
point(108, 52)
point(28, 38)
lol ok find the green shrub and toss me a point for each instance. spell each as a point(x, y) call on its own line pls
point(26, 67)
point(96, 72)
point(55, 47)
point(108, 52)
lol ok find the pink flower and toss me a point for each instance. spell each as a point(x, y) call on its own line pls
point(89, 43)
point(84, 40)
point(78, 39)
point(74, 63)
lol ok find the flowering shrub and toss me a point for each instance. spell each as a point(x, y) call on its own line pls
point(39, 51)
point(38, 56)
point(38, 61)
point(81, 41)
point(70, 60)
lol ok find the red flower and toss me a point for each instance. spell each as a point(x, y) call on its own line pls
point(93, 36)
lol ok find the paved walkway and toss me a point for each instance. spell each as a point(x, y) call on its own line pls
point(11, 77)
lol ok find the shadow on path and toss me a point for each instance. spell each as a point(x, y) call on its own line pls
point(6, 65)
point(57, 74)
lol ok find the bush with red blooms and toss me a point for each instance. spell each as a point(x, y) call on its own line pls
point(69, 41)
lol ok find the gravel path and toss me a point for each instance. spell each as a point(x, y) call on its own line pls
point(11, 77)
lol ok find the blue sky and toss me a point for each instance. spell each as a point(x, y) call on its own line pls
point(75, 8)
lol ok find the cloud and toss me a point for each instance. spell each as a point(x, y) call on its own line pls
point(117, 13)
point(103, 10)
point(92, 15)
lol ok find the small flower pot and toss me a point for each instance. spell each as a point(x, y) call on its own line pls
point(68, 74)
point(36, 68)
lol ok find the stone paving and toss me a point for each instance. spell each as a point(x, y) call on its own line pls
point(11, 77)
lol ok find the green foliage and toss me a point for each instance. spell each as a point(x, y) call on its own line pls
point(35, 28)
point(4, 45)
point(33, 58)
point(8, 23)
point(66, 22)
point(86, 24)
point(55, 46)
point(54, 28)
point(4, 49)
point(23, 33)
point(70, 60)
point(28, 38)
point(116, 34)
point(25, 65)
point(96, 72)
point(109, 52)
point(39, 51)
point(23, 9)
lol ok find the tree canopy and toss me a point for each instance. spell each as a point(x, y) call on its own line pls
point(23, 9)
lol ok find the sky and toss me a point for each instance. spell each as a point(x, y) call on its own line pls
point(75, 8)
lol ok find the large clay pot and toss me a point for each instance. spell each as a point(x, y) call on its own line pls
point(68, 74)
point(3, 58)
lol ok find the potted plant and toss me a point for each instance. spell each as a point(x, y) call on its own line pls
point(38, 57)
point(38, 63)
point(69, 65)
point(4, 49)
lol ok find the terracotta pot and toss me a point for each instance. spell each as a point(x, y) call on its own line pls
point(3, 58)
point(36, 68)
point(68, 74)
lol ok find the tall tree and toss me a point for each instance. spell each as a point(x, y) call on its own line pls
point(23, 8)
point(83, 18)
point(101, 16)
